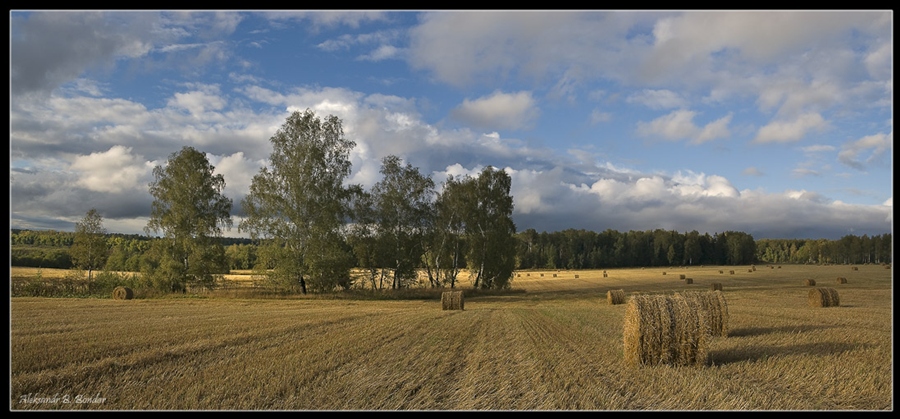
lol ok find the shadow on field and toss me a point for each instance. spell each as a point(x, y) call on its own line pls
point(756, 331)
point(761, 353)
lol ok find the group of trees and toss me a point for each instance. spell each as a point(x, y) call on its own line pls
point(309, 228)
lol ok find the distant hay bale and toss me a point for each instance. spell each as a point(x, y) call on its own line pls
point(716, 286)
point(664, 272)
point(122, 293)
point(731, 272)
point(721, 271)
point(452, 300)
point(681, 276)
point(771, 267)
point(542, 275)
point(779, 266)
point(688, 280)
point(841, 280)
point(605, 275)
point(810, 282)
point(661, 329)
point(712, 306)
point(824, 297)
point(614, 297)
point(750, 270)
point(855, 268)
point(554, 275)
point(576, 276)
point(518, 275)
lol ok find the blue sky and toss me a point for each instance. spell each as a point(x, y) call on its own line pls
point(775, 123)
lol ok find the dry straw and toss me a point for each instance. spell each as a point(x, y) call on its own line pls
point(661, 329)
point(841, 280)
point(614, 297)
point(716, 286)
point(123, 293)
point(712, 306)
point(452, 300)
point(824, 297)
point(810, 282)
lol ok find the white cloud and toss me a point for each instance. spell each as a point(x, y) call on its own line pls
point(499, 111)
point(879, 144)
point(789, 131)
point(112, 171)
point(679, 125)
point(658, 99)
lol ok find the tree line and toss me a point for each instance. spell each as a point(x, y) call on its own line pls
point(312, 231)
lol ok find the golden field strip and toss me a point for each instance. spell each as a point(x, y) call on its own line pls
point(557, 346)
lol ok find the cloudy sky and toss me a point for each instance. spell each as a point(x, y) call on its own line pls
point(778, 124)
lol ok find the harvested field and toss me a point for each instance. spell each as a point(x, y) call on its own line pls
point(548, 345)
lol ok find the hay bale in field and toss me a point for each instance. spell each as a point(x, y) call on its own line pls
point(554, 275)
point(731, 272)
point(841, 280)
point(716, 286)
point(660, 329)
point(576, 276)
point(122, 293)
point(452, 300)
point(664, 272)
point(542, 275)
point(750, 270)
point(712, 306)
point(810, 282)
point(721, 271)
point(779, 266)
point(614, 297)
point(605, 275)
point(855, 268)
point(681, 276)
point(824, 297)
point(688, 280)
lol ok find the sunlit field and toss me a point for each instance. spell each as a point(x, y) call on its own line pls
point(555, 344)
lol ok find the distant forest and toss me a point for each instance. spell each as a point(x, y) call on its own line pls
point(567, 249)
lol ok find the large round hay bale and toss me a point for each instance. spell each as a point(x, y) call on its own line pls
point(452, 300)
point(122, 293)
point(661, 329)
point(716, 286)
point(810, 282)
point(841, 280)
point(614, 297)
point(824, 297)
point(713, 307)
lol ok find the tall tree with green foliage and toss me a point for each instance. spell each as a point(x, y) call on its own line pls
point(89, 249)
point(490, 229)
point(445, 241)
point(403, 209)
point(298, 205)
point(189, 210)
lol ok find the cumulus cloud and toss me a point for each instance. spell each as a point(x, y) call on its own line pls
point(112, 171)
point(499, 111)
point(792, 130)
point(679, 125)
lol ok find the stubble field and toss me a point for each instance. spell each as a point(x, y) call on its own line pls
point(556, 346)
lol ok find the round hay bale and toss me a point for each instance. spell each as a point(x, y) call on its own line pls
point(614, 297)
point(731, 272)
point(554, 275)
point(661, 329)
point(721, 271)
point(122, 293)
point(715, 286)
point(855, 268)
point(824, 297)
point(810, 282)
point(681, 276)
point(841, 280)
point(605, 275)
point(576, 276)
point(712, 306)
point(664, 272)
point(452, 300)
point(688, 280)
